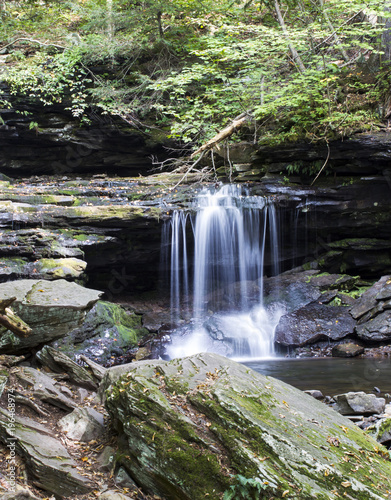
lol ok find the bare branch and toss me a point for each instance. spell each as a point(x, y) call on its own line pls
point(324, 164)
point(238, 122)
point(33, 41)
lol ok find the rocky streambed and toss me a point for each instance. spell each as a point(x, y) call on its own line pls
point(81, 256)
point(135, 429)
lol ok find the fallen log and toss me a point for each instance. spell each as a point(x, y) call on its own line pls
point(238, 122)
point(11, 321)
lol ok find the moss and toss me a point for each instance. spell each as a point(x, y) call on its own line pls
point(188, 462)
point(81, 237)
point(128, 325)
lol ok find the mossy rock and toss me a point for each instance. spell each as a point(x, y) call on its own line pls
point(107, 333)
point(193, 425)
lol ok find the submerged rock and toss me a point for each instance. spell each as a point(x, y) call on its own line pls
point(193, 425)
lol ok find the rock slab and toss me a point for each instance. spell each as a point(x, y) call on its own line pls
point(47, 461)
point(359, 403)
point(50, 308)
point(193, 424)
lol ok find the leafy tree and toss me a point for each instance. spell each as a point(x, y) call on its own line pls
point(298, 69)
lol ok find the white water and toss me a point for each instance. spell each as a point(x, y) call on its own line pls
point(228, 236)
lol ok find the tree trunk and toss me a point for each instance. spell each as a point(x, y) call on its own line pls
point(335, 37)
point(159, 22)
point(296, 58)
point(386, 37)
point(110, 22)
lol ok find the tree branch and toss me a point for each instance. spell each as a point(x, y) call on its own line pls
point(324, 164)
point(33, 41)
point(238, 122)
point(9, 320)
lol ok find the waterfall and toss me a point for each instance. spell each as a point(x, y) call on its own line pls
point(217, 259)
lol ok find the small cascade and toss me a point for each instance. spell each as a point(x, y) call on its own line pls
point(216, 274)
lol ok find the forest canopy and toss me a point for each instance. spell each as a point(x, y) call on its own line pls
point(308, 69)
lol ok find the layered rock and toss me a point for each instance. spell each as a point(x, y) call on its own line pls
point(373, 312)
point(210, 419)
point(50, 308)
point(61, 145)
point(49, 463)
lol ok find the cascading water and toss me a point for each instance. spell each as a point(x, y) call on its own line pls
point(225, 245)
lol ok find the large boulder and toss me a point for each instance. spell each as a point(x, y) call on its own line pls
point(312, 323)
point(50, 308)
point(197, 425)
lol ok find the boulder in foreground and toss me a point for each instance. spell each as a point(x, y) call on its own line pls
point(196, 426)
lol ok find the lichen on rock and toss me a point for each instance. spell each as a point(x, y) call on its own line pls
point(193, 424)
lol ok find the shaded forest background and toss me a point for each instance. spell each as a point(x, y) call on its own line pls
point(312, 69)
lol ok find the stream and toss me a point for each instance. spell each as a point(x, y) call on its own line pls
point(329, 375)
point(216, 255)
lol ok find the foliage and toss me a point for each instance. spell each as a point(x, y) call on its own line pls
point(56, 79)
point(246, 489)
point(190, 66)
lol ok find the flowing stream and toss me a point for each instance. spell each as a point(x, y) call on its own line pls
point(216, 261)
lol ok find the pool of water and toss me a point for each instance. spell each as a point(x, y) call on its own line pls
point(330, 375)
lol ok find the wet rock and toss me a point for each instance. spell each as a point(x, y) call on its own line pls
point(51, 308)
point(59, 362)
point(358, 403)
point(315, 394)
point(47, 462)
point(312, 323)
point(348, 350)
point(294, 289)
point(142, 353)
point(358, 256)
point(207, 414)
point(83, 424)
